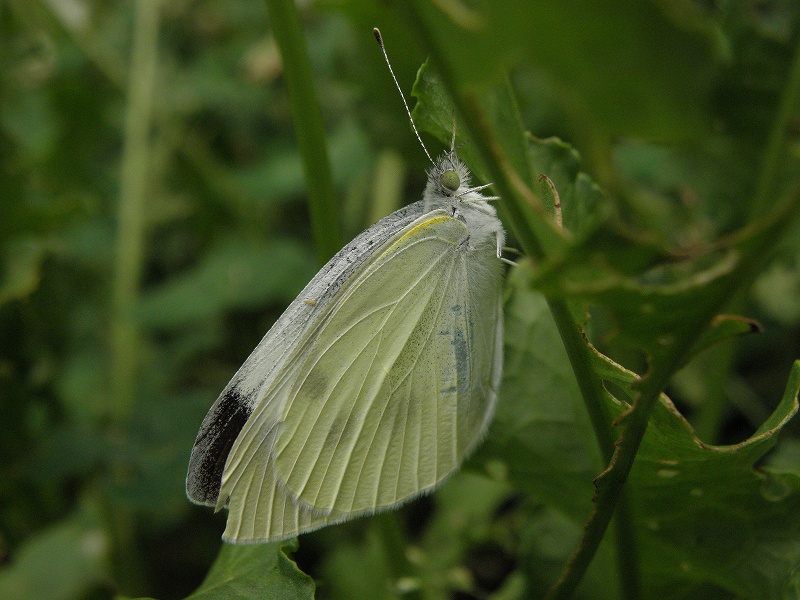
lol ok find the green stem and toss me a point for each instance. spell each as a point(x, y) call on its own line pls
point(765, 187)
point(308, 126)
point(129, 255)
point(130, 211)
point(591, 391)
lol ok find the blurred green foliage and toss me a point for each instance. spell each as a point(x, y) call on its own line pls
point(653, 119)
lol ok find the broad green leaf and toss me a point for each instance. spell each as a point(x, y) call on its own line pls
point(257, 571)
point(542, 438)
point(540, 430)
point(671, 302)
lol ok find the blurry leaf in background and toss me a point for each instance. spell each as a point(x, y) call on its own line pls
point(778, 291)
point(77, 552)
point(280, 174)
point(622, 67)
point(237, 274)
point(23, 259)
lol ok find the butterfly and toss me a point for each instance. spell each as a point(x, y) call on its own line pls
point(375, 383)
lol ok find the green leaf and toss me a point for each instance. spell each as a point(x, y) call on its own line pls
point(667, 301)
point(582, 202)
point(257, 571)
point(540, 428)
point(723, 328)
point(707, 514)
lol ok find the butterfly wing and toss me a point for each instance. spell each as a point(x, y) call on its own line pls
point(391, 387)
point(255, 378)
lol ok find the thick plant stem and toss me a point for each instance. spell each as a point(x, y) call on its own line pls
point(130, 211)
point(308, 126)
point(591, 388)
point(125, 335)
point(765, 187)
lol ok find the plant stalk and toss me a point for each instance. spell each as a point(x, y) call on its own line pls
point(308, 125)
point(130, 210)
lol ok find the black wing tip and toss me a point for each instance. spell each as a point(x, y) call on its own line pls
point(219, 431)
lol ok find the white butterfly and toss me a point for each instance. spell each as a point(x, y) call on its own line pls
point(375, 383)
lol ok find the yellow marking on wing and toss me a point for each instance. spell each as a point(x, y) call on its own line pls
point(416, 230)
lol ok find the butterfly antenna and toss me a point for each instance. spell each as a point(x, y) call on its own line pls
point(378, 37)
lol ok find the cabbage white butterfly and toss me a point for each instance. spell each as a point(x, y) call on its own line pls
point(375, 383)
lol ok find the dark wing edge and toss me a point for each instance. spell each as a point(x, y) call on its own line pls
point(219, 430)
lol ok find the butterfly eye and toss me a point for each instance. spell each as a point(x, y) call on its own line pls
point(450, 180)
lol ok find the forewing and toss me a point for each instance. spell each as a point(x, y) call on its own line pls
point(388, 391)
point(253, 384)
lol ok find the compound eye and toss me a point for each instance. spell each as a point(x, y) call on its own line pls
point(450, 180)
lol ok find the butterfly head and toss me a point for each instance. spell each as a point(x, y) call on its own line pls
point(448, 180)
point(449, 185)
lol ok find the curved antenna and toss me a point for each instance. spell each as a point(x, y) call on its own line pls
point(378, 37)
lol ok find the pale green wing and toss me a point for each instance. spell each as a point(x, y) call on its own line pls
point(247, 391)
point(393, 388)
